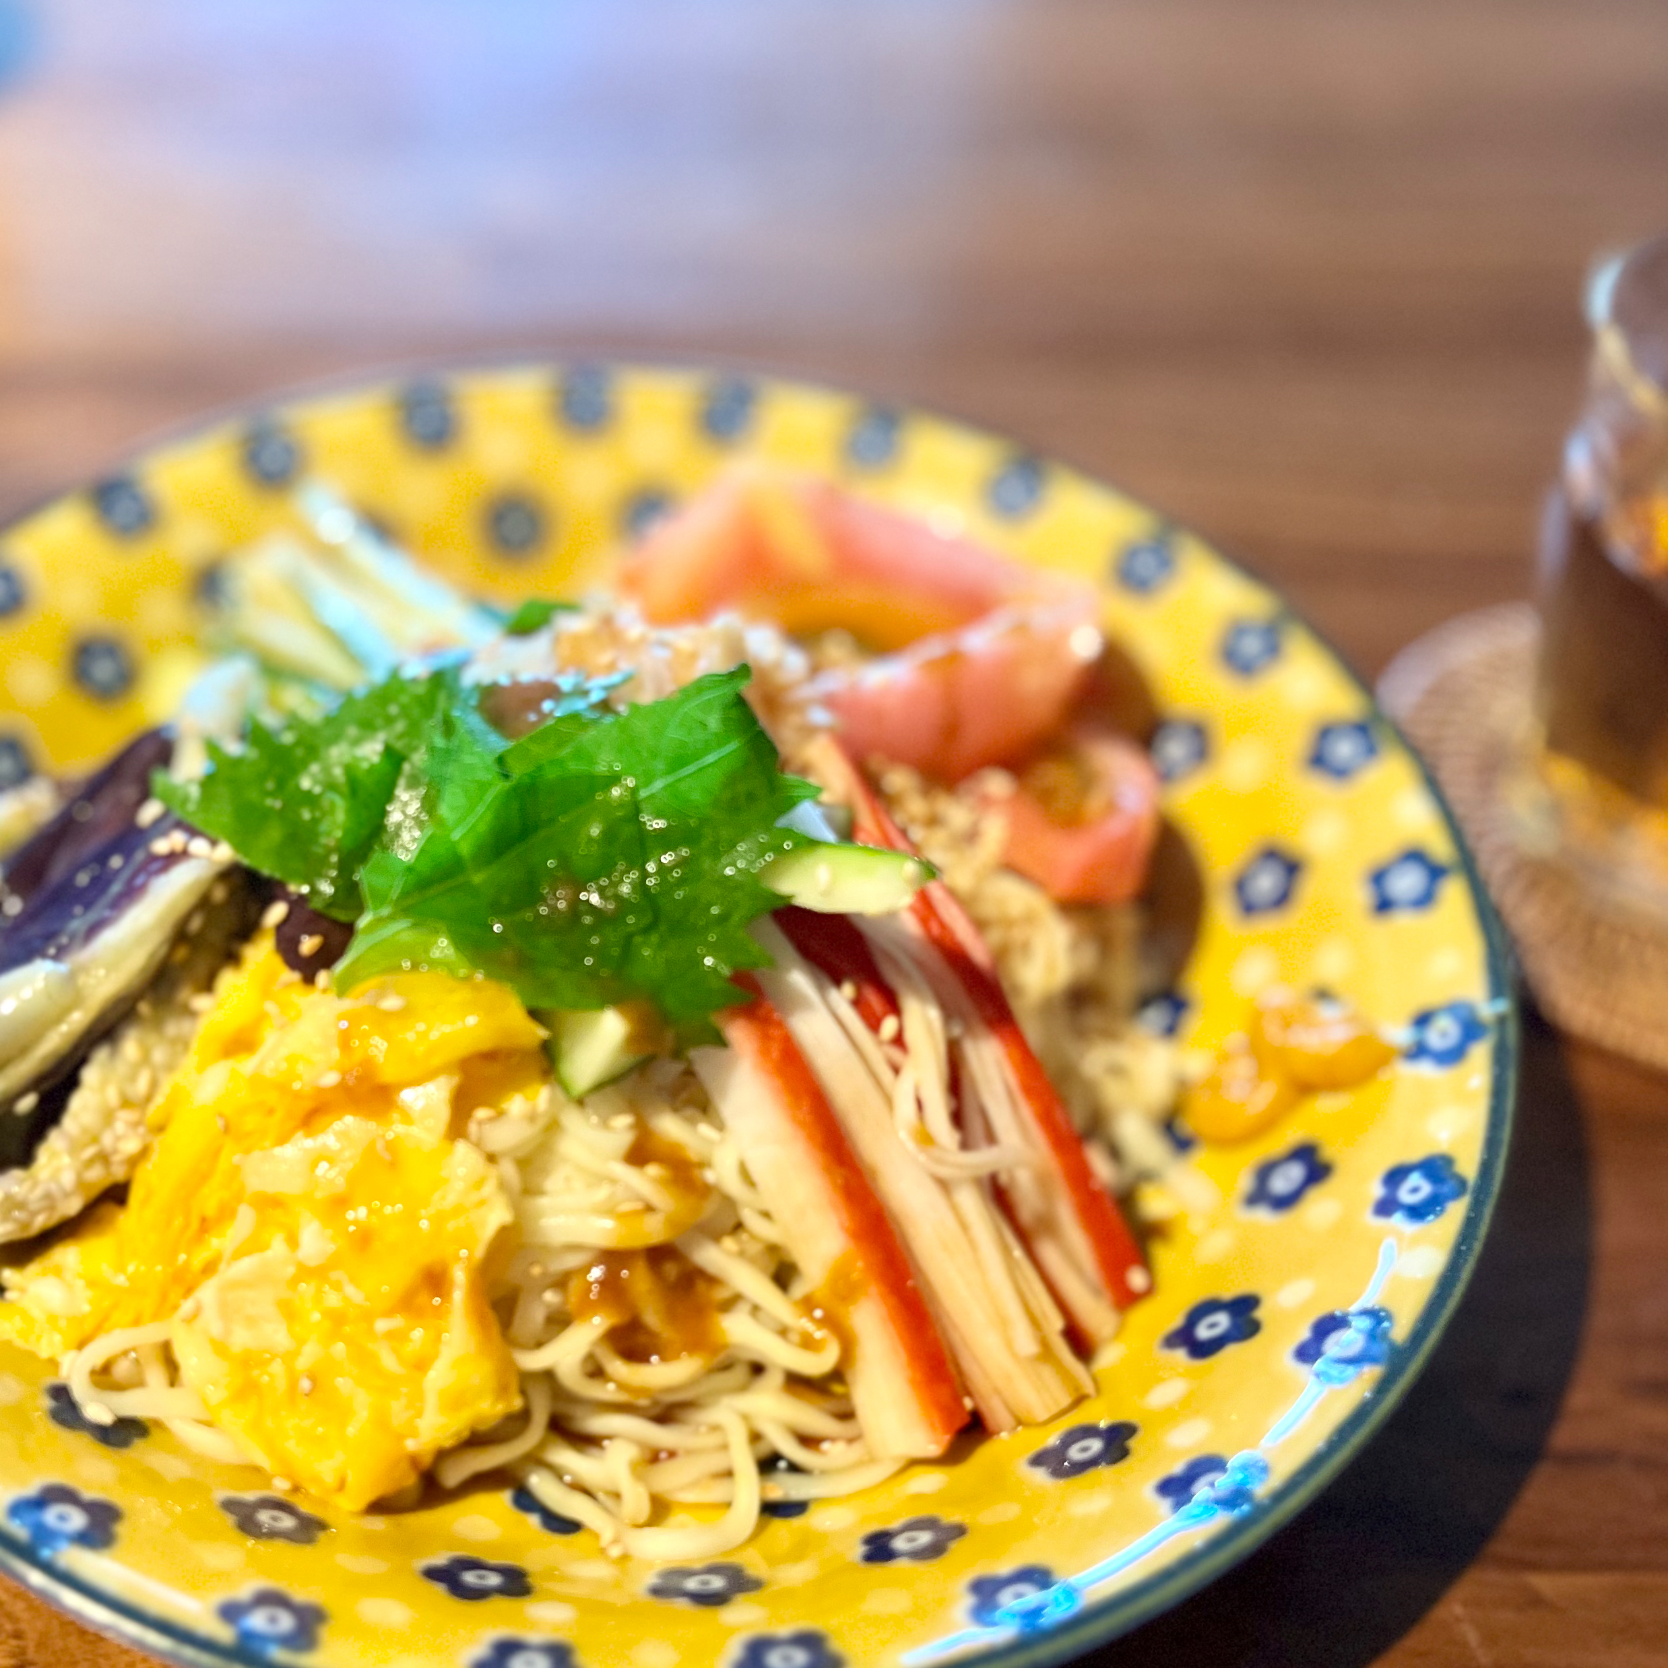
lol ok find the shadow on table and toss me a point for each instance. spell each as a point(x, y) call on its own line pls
point(1357, 1569)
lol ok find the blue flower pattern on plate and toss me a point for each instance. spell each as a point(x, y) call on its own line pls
point(270, 1517)
point(524, 1500)
point(12, 592)
point(873, 440)
point(804, 1648)
point(525, 1653)
point(473, 1579)
point(63, 1409)
point(1279, 1182)
point(271, 454)
point(781, 1508)
point(1340, 1346)
point(643, 510)
point(1016, 488)
point(918, 1540)
point(1343, 750)
point(1084, 1448)
point(1178, 748)
point(1212, 1324)
point(1163, 1014)
point(1413, 1194)
point(515, 524)
point(1406, 883)
point(708, 1585)
point(1251, 646)
point(57, 1516)
point(269, 1620)
point(1144, 566)
point(1178, 1487)
point(1235, 1491)
point(991, 1595)
point(1442, 1037)
point(1267, 881)
point(103, 667)
point(728, 409)
point(1180, 1137)
point(586, 400)
point(426, 415)
point(16, 767)
point(122, 506)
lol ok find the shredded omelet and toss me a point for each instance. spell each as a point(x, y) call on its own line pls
point(313, 1227)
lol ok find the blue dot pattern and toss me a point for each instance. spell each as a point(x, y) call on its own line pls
point(102, 667)
point(426, 415)
point(873, 440)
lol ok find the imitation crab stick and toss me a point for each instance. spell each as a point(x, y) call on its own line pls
point(902, 1384)
point(992, 1306)
point(1068, 1221)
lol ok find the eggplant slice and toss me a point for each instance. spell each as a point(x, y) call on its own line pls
point(89, 1131)
point(114, 915)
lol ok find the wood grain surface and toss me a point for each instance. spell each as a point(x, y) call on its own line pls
point(1301, 272)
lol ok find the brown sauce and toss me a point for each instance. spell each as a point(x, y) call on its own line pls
point(828, 1307)
point(657, 1305)
point(676, 1169)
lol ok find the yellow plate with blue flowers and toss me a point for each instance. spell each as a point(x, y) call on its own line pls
point(1286, 1318)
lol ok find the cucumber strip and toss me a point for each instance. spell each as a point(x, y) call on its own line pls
point(847, 879)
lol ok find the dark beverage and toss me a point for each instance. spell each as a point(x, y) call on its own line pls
point(1603, 591)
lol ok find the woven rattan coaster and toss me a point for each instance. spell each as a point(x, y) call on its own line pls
point(1463, 695)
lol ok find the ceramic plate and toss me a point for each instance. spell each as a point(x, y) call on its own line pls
point(1286, 1319)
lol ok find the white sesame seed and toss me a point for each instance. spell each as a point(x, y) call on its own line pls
point(310, 943)
point(329, 1079)
point(199, 846)
point(148, 813)
point(275, 912)
point(889, 1028)
point(25, 1104)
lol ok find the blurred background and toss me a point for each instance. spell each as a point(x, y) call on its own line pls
point(1303, 273)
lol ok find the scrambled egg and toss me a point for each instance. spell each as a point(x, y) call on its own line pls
point(313, 1226)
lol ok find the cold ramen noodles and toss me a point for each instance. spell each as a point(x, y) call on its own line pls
point(675, 1047)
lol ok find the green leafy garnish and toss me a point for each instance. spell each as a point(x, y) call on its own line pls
point(534, 615)
point(604, 857)
point(306, 804)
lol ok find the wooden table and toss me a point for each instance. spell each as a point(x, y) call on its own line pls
point(1303, 273)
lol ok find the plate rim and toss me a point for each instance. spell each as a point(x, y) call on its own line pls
point(1097, 1621)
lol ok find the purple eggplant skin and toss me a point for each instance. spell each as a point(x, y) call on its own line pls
point(104, 805)
point(310, 943)
point(78, 905)
point(75, 959)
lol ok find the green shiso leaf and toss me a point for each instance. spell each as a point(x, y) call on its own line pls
point(306, 804)
point(603, 857)
point(534, 615)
